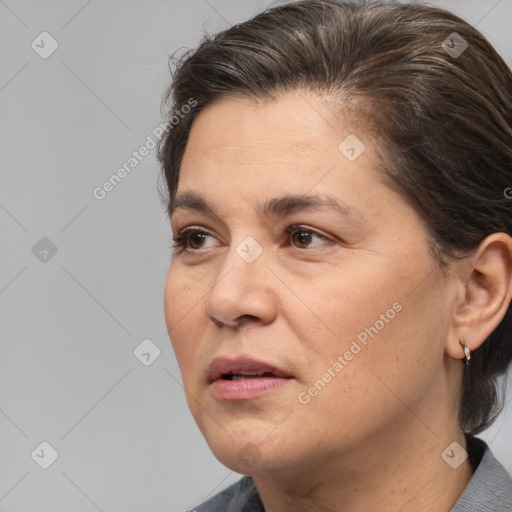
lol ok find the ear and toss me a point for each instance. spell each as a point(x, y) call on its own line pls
point(484, 294)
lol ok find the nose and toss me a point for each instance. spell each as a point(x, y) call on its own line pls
point(242, 292)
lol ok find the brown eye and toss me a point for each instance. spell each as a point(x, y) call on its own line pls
point(303, 237)
point(196, 240)
point(193, 239)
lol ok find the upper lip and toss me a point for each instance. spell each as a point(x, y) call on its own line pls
point(224, 366)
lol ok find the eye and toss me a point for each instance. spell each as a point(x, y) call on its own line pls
point(193, 239)
point(304, 237)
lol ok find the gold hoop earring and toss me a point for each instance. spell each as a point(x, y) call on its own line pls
point(467, 352)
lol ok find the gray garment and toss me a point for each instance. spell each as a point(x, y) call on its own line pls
point(242, 496)
point(489, 490)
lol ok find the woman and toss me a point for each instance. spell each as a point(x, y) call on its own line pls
point(340, 288)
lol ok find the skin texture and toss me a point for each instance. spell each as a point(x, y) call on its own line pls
point(372, 437)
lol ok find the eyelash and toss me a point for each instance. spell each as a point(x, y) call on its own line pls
point(183, 236)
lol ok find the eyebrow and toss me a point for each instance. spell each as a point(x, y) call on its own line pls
point(280, 206)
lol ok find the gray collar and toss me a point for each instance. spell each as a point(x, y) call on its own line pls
point(490, 488)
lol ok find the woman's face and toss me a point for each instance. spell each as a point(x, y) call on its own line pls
point(307, 317)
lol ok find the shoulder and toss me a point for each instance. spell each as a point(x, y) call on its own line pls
point(242, 496)
point(490, 488)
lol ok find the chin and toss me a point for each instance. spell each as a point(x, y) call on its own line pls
point(248, 449)
point(248, 458)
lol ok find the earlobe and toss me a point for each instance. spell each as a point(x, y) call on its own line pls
point(485, 296)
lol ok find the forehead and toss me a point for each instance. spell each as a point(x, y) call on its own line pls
point(239, 137)
point(290, 126)
point(244, 152)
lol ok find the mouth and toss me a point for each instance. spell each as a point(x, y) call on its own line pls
point(244, 368)
point(246, 375)
point(245, 378)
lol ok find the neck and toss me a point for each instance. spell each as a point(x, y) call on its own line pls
point(400, 468)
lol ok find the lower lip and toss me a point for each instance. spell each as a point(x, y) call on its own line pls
point(246, 389)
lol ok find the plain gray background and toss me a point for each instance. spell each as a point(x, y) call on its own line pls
point(70, 321)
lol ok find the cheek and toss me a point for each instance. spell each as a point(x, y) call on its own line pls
point(176, 294)
point(184, 314)
point(341, 305)
point(387, 338)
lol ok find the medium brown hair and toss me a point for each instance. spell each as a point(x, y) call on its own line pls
point(443, 122)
